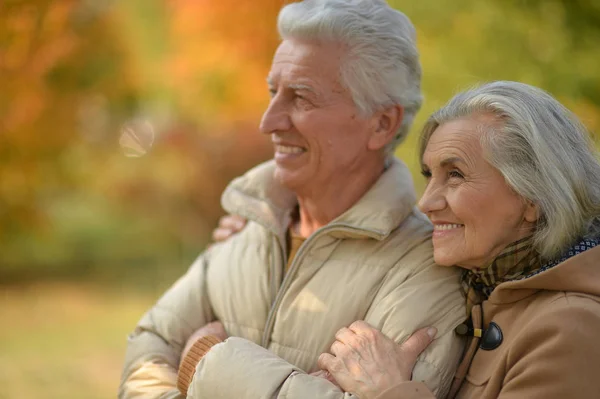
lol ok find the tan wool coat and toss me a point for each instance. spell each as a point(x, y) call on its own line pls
point(550, 349)
point(373, 263)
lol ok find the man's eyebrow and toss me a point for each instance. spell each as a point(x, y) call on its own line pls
point(293, 86)
point(300, 86)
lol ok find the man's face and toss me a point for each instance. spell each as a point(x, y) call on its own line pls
point(317, 132)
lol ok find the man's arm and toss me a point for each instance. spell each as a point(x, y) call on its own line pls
point(238, 368)
point(415, 294)
point(430, 295)
point(154, 348)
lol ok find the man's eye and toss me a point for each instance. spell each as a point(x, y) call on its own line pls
point(426, 173)
point(272, 92)
point(302, 101)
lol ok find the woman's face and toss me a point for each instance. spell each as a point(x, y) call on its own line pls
point(474, 212)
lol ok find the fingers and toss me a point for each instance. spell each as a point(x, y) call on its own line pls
point(220, 234)
point(362, 327)
point(357, 331)
point(228, 226)
point(327, 362)
point(232, 222)
point(344, 335)
point(417, 343)
point(346, 341)
point(326, 375)
point(319, 373)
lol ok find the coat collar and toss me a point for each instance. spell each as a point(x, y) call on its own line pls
point(257, 196)
point(580, 273)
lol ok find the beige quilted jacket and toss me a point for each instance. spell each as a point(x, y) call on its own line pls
point(373, 263)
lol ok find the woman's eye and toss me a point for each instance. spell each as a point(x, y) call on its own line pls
point(455, 173)
point(426, 173)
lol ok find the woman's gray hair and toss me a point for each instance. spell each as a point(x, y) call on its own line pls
point(381, 67)
point(544, 153)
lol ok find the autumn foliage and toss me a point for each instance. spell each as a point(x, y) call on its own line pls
point(74, 75)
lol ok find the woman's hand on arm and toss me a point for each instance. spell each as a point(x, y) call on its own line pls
point(228, 226)
point(366, 363)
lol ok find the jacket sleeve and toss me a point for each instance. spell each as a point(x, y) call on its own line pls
point(557, 356)
point(155, 346)
point(238, 368)
point(421, 295)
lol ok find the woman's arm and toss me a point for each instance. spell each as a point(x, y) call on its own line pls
point(370, 365)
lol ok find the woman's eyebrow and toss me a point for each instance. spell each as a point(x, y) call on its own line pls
point(451, 161)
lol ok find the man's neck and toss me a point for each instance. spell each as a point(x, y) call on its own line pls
point(324, 205)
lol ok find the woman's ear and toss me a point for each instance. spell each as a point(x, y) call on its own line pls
point(532, 212)
point(386, 124)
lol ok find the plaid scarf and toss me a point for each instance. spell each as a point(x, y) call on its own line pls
point(516, 260)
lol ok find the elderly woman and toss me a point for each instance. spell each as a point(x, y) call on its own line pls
point(513, 192)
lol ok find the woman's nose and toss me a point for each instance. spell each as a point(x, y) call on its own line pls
point(433, 199)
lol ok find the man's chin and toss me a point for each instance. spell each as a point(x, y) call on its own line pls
point(292, 180)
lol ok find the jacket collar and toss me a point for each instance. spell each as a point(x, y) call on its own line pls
point(580, 273)
point(257, 196)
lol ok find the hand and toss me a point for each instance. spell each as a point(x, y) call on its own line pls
point(326, 375)
point(215, 328)
point(365, 362)
point(228, 226)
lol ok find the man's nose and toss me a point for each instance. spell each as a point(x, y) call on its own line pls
point(276, 117)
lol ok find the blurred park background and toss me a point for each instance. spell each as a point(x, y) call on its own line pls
point(94, 226)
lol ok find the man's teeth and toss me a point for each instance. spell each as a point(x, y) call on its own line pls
point(447, 226)
point(288, 150)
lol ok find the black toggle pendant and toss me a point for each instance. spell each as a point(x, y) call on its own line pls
point(492, 337)
point(467, 329)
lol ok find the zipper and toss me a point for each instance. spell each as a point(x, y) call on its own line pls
point(297, 260)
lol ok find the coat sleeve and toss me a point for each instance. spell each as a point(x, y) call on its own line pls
point(238, 368)
point(154, 348)
point(557, 356)
point(426, 295)
point(416, 293)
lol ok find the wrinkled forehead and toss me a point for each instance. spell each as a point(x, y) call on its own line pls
point(307, 62)
point(463, 134)
point(456, 139)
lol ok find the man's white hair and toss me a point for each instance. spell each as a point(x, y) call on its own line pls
point(544, 153)
point(381, 66)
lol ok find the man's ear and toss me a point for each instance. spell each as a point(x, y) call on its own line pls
point(385, 126)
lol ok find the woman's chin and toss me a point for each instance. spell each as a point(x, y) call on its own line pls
point(443, 259)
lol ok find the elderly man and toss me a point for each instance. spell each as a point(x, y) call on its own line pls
point(333, 235)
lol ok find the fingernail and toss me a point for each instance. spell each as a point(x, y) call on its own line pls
point(239, 224)
point(431, 331)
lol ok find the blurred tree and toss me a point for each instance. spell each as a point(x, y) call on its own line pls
point(464, 42)
point(73, 72)
point(55, 56)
